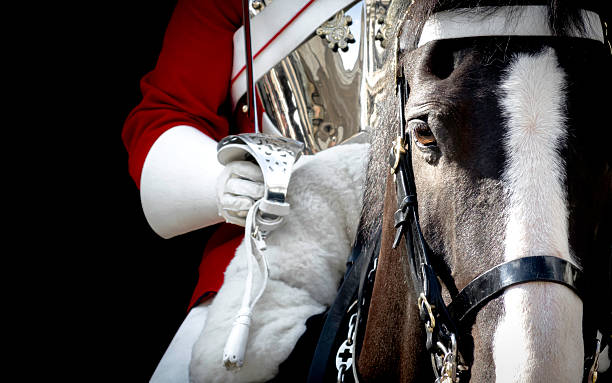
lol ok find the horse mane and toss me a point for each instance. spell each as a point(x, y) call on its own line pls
point(563, 16)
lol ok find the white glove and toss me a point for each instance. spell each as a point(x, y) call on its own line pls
point(239, 185)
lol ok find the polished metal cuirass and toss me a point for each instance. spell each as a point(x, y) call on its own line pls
point(323, 92)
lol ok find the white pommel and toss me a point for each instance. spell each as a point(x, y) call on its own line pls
point(235, 346)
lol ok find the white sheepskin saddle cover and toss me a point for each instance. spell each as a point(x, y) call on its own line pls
point(307, 257)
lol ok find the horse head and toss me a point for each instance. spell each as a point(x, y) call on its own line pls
point(507, 147)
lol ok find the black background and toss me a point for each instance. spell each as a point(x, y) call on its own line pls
point(111, 292)
point(150, 279)
point(99, 294)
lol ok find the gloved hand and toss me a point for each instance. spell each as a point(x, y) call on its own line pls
point(239, 185)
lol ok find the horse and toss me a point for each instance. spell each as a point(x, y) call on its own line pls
point(488, 197)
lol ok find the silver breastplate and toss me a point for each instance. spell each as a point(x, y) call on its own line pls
point(319, 94)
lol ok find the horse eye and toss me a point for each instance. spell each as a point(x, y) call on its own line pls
point(422, 133)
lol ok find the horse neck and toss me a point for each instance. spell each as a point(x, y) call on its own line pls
point(393, 346)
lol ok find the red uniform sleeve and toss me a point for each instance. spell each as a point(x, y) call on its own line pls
point(191, 80)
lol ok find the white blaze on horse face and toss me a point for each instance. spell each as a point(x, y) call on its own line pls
point(539, 338)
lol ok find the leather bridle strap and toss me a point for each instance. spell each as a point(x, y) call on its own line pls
point(357, 264)
point(425, 282)
point(493, 282)
point(518, 20)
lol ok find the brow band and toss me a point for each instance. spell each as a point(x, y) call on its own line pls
point(527, 20)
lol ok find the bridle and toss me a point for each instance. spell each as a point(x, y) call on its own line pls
point(443, 322)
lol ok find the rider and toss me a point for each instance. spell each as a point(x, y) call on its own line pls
point(189, 103)
point(171, 138)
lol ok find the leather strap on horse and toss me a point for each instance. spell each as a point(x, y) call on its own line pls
point(347, 293)
point(440, 328)
point(366, 286)
point(493, 282)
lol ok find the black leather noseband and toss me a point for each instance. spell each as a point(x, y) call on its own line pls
point(528, 269)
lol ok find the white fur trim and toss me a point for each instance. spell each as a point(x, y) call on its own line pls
point(307, 258)
point(539, 339)
point(526, 20)
point(267, 25)
point(178, 182)
point(174, 365)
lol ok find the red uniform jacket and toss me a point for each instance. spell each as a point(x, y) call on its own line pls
point(190, 86)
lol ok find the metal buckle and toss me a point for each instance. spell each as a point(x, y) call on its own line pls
point(445, 364)
point(422, 302)
point(397, 151)
point(592, 378)
point(444, 361)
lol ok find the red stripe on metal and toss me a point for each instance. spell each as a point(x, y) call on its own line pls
point(275, 36)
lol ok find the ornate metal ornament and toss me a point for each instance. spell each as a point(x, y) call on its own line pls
point(336, 31)
point(324, 92)
point(257, 6)
point(380, 14)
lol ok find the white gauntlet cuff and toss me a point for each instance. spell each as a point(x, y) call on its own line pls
point(178, 182)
